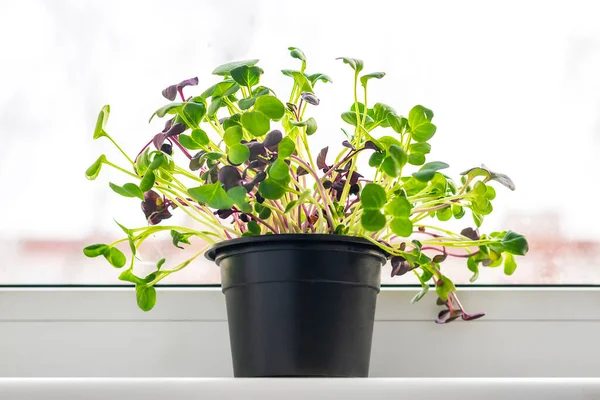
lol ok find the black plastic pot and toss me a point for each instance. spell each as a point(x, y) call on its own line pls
point(300, 305)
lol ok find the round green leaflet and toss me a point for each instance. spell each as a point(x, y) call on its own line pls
point(238, 153)
point(372, 220)
point(233, 135)
point(373, 197)
point(279, 170)
point(256, 123)
point(270, 106)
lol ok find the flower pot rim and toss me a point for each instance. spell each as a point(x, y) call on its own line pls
point(211, 252)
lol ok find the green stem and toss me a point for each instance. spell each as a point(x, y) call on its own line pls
point(121, 169)
point(121, 150)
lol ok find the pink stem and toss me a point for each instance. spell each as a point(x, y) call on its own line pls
point(183, 150)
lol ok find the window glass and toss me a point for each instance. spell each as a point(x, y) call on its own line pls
point(514, 85)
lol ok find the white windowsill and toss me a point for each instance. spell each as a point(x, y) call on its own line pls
point(291, 389)
point(99, 332)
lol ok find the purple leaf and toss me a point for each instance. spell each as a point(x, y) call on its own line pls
point(171, 91)
point(321, 158)
point(400, 266)
point(292, 107)
point(175, 130)
point(154, 208)
point(272, 139)
point(470, 233)
point(471, 317)
point(258, 153)
point(354, 178)
point(229, 176)
point(158, 140)
point(224, 214)
point(301, 171)
point(371, 146)
point(310, 98)
point(445, 316)
point(168, 124)
point(355, 189)
point(166, 148)
point(347, 144)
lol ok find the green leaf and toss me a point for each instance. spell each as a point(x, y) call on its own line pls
point(423, 292)
point(172, 108)
point(221, 89)
point(444, 214)
point(510, 265)
point(297, 53)
point(477, 218)
point(246, 103)
point(200, 137)
point(350, 118)
point(419, 119)
point(246, 76)
point(515, 243)
point(380, 113)
point(372, 220)
point(458, 211)
point(213, 195)
point(279, 170)
point(286, 147)
point(443, 287)
point(238, 153)
point(399, 207)
point(238, 195)
point(311, 126)
point(416, 159)
point(254, 228)
point(157, 160)
point(428, 170)
point(235, 119)
point(115, 257)
point(390, 167)
point(256, 123)
point(373, 197)
point(419, 148)
point(365, 78)
point(188, 142)
point(402, 226)
point(398, 154)
point(388, 141)
point(226, 69)
point(314, 78)
point(270, 106)
point(487, 173)
point(128, 190)
point(128, 276)
point(129, 234)
point(272, 189)
point(265, 213)
point(214, 106)
point(94, 170)
point(376, 159)
point(299, 79)
point(490, 193)
point(233, 135)
point(355, 63)
point(145, 296)
point(179, 237)
point(193, 112)
point(101, 122)
point(95, 250)
point(147, 181)
point(397, 122)
point(472, 264)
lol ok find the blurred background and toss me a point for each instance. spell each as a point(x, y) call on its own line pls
point(513, 84)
